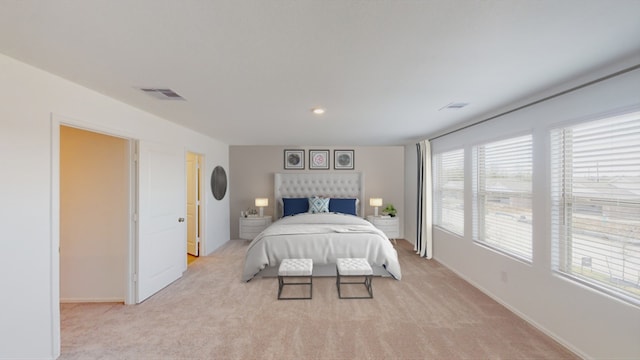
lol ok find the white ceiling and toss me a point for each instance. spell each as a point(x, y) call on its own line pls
point(251, 70)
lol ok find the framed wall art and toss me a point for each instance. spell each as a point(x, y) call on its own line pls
point(319, 159)
point(294, 159)
point(343, 159)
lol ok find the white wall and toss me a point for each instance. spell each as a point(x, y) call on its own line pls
point(252, 169)
point(590, 323)
point(28, 211)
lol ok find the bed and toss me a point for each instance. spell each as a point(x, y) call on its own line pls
point(322, 233)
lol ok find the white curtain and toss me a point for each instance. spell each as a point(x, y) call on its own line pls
point(424, 242)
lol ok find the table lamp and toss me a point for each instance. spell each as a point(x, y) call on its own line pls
point(375, 202)
point(261, 203)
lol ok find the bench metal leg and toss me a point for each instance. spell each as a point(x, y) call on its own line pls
point(282, 283)
point(368, 284)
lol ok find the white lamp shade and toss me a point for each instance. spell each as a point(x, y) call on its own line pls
point(261, 202)
point(375, 202)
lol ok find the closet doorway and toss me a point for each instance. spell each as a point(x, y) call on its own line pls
point(94, 216)
point(194, 205)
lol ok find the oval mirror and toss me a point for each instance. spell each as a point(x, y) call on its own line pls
point(218, 182)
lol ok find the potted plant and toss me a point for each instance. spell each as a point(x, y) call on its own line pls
point(389, 210)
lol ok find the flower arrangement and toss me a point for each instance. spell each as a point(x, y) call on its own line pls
point(389, 210)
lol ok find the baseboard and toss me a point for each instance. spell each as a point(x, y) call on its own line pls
point(518, 313)
point(90, 300)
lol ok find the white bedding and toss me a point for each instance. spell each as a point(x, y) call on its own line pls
point(323, 238)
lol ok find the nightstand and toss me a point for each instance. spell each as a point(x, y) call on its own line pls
point(390, 226)
point(251, 226)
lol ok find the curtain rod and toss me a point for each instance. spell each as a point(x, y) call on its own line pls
point(632, 68)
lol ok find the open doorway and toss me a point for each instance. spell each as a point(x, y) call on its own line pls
point(152, 212)
point(194, 205)
point(94, 216)
point(138, 238)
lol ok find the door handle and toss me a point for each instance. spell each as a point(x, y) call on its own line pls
point(180, 219)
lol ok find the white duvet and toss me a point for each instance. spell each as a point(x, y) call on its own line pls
point(323, 238)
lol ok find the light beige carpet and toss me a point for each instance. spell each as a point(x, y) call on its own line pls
point(211, 314)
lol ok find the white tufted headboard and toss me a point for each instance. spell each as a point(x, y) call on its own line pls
point(337, 185)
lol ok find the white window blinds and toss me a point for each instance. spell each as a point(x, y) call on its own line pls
point(449, 191)
point(596, 204)
point(502, 187)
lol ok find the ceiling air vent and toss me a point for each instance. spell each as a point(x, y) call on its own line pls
point(454, 106)
point(162, 94)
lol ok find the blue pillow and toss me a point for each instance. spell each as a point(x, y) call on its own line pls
point(292, 206)
point(345, 206)
point(318, 205)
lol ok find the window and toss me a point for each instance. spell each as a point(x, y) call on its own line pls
point(502, 187)
point(595, 189)
point(449, 191)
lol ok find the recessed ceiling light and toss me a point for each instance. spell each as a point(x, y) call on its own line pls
point(317, 111)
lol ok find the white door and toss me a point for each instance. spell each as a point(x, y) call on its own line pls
point(161, 228)
point(193, 203)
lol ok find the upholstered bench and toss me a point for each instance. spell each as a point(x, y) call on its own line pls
point(295, 268)
point(354, 267)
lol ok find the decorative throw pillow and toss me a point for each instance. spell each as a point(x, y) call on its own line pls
point(344, 206)
point(294, 206)
point(318, 205)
